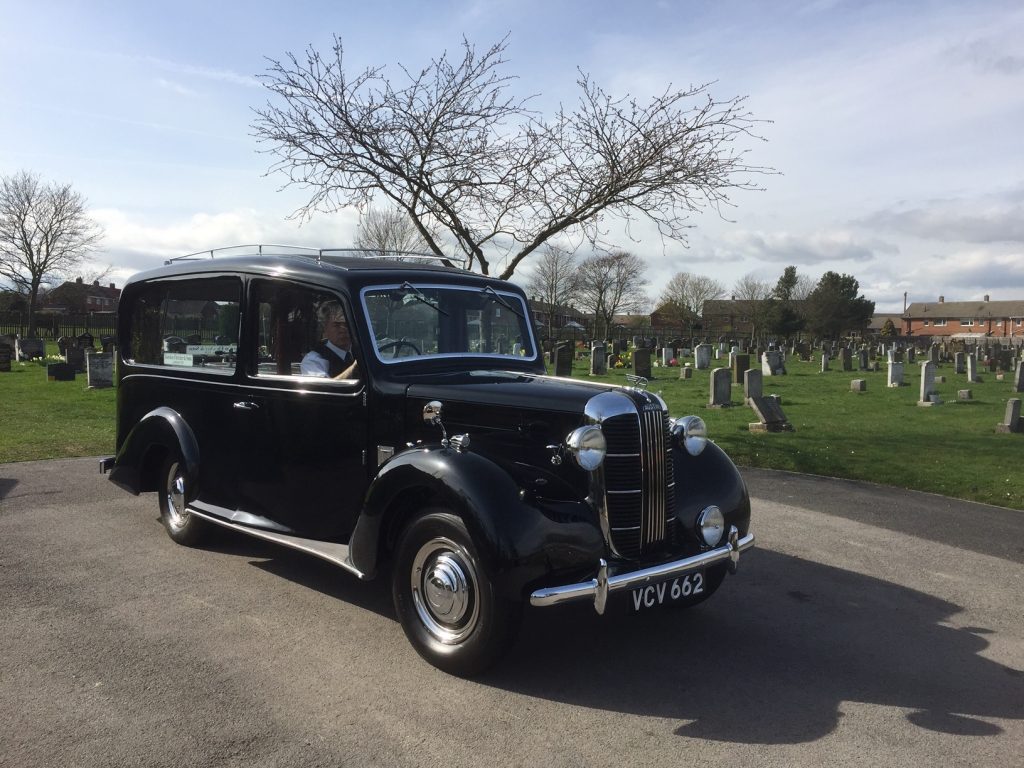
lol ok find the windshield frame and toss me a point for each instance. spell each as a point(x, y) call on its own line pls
point(521, 307)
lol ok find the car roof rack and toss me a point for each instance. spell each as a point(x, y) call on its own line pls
point(322, 255)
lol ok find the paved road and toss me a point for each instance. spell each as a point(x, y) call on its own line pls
point(869, 627)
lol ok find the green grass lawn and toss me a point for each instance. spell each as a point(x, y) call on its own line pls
point(880, 435)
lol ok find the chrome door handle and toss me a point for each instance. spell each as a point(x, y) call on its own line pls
point(247, 405)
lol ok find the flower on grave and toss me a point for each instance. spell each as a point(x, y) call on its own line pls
point(620, 364)
point(673, 363)
point(657, 364)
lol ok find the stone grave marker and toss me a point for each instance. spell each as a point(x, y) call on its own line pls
point(99, 369)
point(859, 385)
point(75, 357)
point(60, 372)
point(972, 368)
point(598, 361)
point(668, 354)
point(686, 372)
point(894, 378)
point(845, 359)
point(1012, 420)
point(721, 388)
point(1018, 378)
point(959, 363)
point(85, 340)
point(862, 360)
point(563, 360)
point(642, 363)
point(753, 384)
point(824, 362)
point(702, 354)
point(740, 363)
point(770, 415)
point(911, 355)
point(6, 352)
point(772, 363)
point(964, 394)
point(929, 392)
point(29, 349)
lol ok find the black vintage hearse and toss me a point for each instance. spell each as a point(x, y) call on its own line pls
point(444, 457)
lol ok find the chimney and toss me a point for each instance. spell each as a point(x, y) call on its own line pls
point(986, 297)
point(78, 280)
point(96, 283)
point(112, 286)
point(941, 299)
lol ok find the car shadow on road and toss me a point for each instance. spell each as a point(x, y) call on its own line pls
point(771, 658)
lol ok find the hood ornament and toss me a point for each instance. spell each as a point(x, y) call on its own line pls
point(638, 382)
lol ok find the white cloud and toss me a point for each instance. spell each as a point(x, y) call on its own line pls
point(988, 219)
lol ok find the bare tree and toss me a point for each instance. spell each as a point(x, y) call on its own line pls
point(450, 148)
point(44, 232)
point(388, 230)
point(687, 292)
point(554, 279)
point(610, 284)
point(752, 296)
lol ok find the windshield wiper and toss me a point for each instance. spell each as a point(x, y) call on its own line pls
point(495, 296)
point(415, 295)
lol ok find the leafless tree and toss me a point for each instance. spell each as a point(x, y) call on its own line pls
point(452, 149)
point(554, 279)
point(753, 301)
point(687, 292)
point(44, 232)
point(610, 284)
point(388, 230)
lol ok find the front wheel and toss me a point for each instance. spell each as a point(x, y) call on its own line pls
point(448, 607)
point(181, 525)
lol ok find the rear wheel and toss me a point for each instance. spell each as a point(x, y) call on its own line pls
point(181, 525)
point(448, 607)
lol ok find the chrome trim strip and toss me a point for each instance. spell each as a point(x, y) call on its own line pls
point(589, 590)
point(338, 554)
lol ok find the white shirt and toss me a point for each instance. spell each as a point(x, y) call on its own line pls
point(315, 364)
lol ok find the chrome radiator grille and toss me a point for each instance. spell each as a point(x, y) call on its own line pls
point(638, 480)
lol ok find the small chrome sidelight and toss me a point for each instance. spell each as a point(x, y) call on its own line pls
point(460, 442)
point(690, 433)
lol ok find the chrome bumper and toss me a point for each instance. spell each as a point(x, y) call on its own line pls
point(598, 589)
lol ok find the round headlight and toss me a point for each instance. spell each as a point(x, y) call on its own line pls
point(588, 447)
point(711, 525)
point(691, 434)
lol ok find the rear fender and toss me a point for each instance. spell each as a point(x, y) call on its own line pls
point(159, 433)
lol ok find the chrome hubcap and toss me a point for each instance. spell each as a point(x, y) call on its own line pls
point(176, 514)
point(444, 590)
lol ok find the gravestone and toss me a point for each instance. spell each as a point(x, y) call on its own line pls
point(929, 392)
point(29, 349)
point(972, 368)
point(859, 385)
point(824, 362)
point(862, 360)
point(60, 372)
point(960, 365)
point(702, 354)
point(964, 394)
point(85, 340)
point(638, 342)
point(598, 361)
point(686, 372)
point(894, 377)
point(770, 415)
point(911, 355)
point(772, 363)
point(75, 357)
point(740, 363)
point(563, 360)
point(1018, 378)
point(6, 352)
point(99, 369)
point(753, 384)
point(845, 360)
point(642, 363)
point(1012, 420)
point(721, 388)
point(618, 347)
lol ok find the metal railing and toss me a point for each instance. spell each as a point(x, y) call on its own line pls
point(326, 255)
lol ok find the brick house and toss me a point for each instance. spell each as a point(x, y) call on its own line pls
point(79, 297)
point(996, 319)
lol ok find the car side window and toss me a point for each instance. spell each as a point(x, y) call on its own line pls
point(186, 324)
point(302, 332)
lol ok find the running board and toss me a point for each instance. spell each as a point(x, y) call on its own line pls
point(336, 554)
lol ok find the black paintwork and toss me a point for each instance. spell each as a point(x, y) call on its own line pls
point(301, 454)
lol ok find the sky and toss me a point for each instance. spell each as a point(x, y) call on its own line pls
point(896, 128)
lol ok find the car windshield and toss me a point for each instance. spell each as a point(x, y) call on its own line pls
point(411, 321)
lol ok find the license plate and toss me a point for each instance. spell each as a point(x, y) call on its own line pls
point(679, 589)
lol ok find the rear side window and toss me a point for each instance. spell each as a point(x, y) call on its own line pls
point(186, 324)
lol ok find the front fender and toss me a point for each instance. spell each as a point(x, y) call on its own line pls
point(521, 538)
point(706, 479)
point(162, 428)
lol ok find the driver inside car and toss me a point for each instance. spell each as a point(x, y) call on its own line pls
point(332, 357)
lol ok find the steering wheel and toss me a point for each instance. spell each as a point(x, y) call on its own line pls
point(398, 345)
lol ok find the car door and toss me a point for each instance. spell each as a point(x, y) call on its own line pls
point(301, 439)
